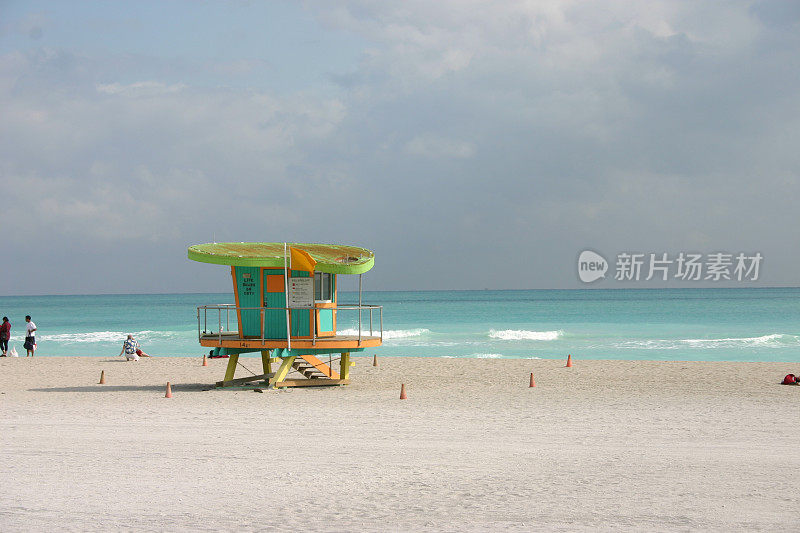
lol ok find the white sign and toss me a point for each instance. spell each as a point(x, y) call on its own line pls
point(301, 292)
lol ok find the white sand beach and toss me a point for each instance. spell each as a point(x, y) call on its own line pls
point(604, 445)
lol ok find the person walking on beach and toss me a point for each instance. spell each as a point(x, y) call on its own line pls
point(5, 335)
point(30, 336)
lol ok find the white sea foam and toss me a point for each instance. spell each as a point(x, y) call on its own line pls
point(487, 355)
point(88, 337)
point(524, 334)
point(775, 340)
point(771, 341)
point(388, 333)
point(649, 344)
point(106, 336)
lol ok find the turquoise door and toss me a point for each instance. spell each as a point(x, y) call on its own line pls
point(274, 296)
point(248, 289)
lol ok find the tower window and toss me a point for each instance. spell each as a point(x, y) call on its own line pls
point(323, 287)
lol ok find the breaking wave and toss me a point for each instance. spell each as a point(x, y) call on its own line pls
point(775, 340)
point(524, 334)
point(389, 333)
point(106, 336)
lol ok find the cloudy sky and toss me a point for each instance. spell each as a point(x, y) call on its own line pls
point(470, 144)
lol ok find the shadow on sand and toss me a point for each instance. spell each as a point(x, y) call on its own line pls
point(181, 387)
point(123, 360)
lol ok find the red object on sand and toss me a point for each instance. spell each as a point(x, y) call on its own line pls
point(790, 379)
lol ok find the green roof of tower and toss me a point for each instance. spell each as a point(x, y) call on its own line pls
point(331, 258)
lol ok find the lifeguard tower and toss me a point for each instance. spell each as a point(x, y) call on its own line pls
point(287, 308)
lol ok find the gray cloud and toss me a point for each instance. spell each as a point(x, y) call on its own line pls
point(474, 145)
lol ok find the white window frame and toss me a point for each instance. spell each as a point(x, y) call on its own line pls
point(319, 282)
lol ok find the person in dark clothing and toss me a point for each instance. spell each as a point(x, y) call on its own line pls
point(30, 336)
point(5, 335)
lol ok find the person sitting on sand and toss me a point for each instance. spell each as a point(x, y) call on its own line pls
point(140, 353)
point(132, 350)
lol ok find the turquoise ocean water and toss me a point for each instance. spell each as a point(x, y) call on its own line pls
point(655, 324)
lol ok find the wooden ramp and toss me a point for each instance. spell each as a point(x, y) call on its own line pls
point(243, 381)
point(321, 382)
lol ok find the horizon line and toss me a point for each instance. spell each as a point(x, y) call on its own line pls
point(424, 290)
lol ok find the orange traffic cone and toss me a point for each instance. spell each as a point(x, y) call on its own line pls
point(375, 360)
point(533, 383)
point(569, 361)
point(403, 391)
point(205, 361)
point(169, 391)
point(102, 377)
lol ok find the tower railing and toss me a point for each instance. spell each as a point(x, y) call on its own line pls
point(224, 319)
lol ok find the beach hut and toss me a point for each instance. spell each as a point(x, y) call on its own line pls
point(287, 308)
